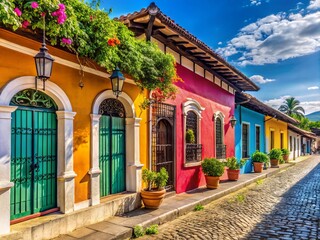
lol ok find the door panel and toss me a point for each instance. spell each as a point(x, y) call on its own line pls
point(33, 162)
point(118, 155)
point(104, 155)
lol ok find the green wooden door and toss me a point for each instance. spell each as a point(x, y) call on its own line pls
point(33, 157)
point(112, 157)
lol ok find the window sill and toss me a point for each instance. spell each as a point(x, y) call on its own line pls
point(192, 164)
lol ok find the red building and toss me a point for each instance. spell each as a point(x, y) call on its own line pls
point(203, 106)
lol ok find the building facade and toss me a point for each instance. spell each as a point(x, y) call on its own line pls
point(64, 148)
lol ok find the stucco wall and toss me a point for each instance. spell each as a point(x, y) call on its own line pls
point(295, 149)
point(15, 64)
point(278, 127)
point(245, 115)
point(213, 99)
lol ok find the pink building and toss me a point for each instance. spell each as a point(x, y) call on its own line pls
point(203, 107)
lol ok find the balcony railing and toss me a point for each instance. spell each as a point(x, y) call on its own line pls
point(221, 151)
point(193, 152)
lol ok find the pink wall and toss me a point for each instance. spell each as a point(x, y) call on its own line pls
point(213, 99)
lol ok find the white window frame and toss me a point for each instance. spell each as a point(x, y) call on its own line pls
point(194, 106)
point(221, 116)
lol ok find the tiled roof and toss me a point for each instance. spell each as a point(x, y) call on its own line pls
point(256, 105)
point(165, 30)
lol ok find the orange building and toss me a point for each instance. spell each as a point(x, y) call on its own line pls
point(64, 147)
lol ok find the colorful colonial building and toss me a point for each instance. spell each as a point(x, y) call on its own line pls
point(259, 127)
point(203, 106)
point(64, 148)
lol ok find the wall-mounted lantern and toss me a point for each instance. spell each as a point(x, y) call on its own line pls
point(233, 121)
point(117, 80)
point(43, 61)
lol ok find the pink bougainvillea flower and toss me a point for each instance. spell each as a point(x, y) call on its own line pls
point(34, 5)
point(54, 14)
point(62, 6)
point(43, 14)
point(25, 23)
point(61, 19)
point(17, 11)
point(67, 41)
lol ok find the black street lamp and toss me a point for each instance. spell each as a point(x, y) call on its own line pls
point(43, 61)
point(233, 121)
point(117, 80)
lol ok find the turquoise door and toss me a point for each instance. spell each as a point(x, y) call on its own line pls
point(33, 154)
point(112, 158)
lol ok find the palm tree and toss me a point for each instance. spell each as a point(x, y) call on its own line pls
point(291, 107)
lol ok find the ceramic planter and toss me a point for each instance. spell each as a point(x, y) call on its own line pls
point(212, 182)
point(233, 175)
point(286, 158)
point(274, 163)
point(152, 199)
point(257, 167)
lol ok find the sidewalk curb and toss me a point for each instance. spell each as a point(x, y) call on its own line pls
point(180, 211)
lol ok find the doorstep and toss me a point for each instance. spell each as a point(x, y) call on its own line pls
point(171, 208)
point(55, 224)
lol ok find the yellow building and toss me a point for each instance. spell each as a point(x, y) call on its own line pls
point(59, 140)
point(276, 133)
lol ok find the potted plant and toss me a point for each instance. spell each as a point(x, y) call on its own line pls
point(153, 195)
point(285, 154)
point(190, 138)
point(258, 159)
point(212, 169)
point(275, 156)
point(234, 166)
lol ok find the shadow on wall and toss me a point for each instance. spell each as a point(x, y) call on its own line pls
point(194, 180)
point(80, 137)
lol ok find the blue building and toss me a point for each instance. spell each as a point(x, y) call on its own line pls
point(249, 130)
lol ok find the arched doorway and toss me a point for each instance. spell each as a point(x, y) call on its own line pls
point(33, 153)
point(164, 150)
point(112, 152)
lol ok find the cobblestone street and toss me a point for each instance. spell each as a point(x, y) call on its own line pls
point(285, 206)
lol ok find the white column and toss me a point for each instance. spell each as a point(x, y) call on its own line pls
point(134, 167)
point(95, 170)
point(5, 167)
point(66, 174)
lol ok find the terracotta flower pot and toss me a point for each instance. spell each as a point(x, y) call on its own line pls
point(257, 167)
point(286, 158)
point(152, 199)
point(212, 182)
point(233, 175)
point(274, 163)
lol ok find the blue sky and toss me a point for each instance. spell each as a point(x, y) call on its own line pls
point(274, 42)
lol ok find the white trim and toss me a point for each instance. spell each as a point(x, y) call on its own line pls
point(21, 83)
point(248, 134)
point(255, 136)
point(194, 106)
point(62, 61)
point(221, 116)
point(133, 165)
point(66, 175)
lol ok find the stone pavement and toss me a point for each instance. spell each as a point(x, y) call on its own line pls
point(120, 227)
point(286, 206)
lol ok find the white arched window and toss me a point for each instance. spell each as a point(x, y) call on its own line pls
point(192, 132)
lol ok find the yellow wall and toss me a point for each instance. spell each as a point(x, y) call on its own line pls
point(278, 127)
point(14, 64)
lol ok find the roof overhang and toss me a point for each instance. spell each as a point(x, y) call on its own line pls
point(254, 104)
point(153, 23)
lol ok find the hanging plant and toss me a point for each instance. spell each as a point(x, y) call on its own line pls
point(90, 33)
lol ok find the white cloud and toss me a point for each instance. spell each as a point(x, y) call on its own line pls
point(308, 106)
point(314, 4)
point(275, 38)
point(219, 43)
point(255, 2)
point(260, 79)
point(313, 88)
